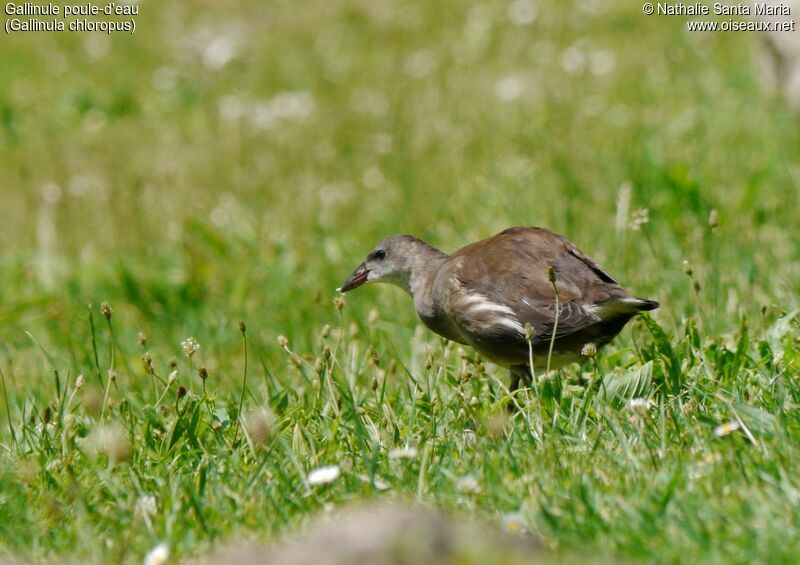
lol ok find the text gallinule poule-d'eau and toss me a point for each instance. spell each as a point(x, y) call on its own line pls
point(488, 293)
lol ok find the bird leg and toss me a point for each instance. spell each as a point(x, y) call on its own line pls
point(518, 374)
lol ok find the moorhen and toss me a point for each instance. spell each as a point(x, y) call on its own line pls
point(501, 294)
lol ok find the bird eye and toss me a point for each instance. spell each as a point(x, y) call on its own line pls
point(380, 255)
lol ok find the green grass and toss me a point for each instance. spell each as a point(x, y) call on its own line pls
point(191, 196)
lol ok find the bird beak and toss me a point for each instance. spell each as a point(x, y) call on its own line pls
point(355, 280)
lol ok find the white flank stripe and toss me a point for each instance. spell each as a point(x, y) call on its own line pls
point(478, 303)
point(473, 298)
point(509, 323)
point(491, 307)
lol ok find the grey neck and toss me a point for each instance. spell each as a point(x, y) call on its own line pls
point(425, 264)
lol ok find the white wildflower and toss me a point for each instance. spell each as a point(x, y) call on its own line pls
point(164, 78)
point(379, 483)
point(51, 193)
point(601, 62)
point(324, 475)
point(421, 63)
point(713, 219)
point(509, 88)
point(522, 12)
point(219, 52)
point(294, 105)
point(373, 318)
point(403, 453)
point(263, 115)
point(146, 506)
point(112, 441)
point(79, 382)
point(639, 218)
point(639, 404)
point(173, 376)
point(259, 423)
point(727, 428)
point(468, 484)
point(190, 346)
point(231, 108)
point(373, 178)
point(158, 555)
point(573, 60)
point(514, 523)
point(97, 46)
point(48, 427)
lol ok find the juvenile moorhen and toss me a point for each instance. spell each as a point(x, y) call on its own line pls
point(488, 293)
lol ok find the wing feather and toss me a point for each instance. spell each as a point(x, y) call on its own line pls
point(502, 285)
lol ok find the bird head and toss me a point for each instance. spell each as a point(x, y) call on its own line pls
point(390, 261)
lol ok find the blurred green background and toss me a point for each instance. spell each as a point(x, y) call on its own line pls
point(238, 160)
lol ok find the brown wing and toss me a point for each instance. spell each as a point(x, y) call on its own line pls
point(503, 285)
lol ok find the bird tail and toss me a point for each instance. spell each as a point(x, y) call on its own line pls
point(627, 306)
point(645, 304)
